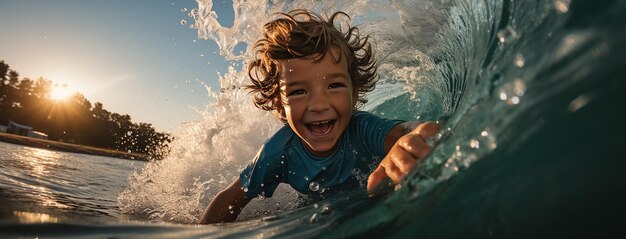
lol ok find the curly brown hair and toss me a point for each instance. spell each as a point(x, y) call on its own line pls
point(301, 33)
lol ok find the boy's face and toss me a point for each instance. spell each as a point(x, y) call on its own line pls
point(317, 100)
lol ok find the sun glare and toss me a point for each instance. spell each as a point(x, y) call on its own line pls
point(60, 93)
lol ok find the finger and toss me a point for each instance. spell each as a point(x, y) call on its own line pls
point(427, 130)
point(419, 141)
point(414, 145)
point(392, 171)
point(402, 159)
point(375, 178)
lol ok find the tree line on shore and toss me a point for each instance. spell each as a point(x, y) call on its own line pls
point(75, 119)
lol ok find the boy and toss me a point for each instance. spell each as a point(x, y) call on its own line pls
point(313, 77)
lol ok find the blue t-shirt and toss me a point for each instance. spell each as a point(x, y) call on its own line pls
point(283, 159)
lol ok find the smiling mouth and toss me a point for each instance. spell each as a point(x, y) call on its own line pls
point(321, 128)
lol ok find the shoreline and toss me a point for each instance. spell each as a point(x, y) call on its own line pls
point(69, 147)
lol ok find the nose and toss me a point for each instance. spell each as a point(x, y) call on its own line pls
point(319, 101)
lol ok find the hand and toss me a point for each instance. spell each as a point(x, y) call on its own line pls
point(404, 155)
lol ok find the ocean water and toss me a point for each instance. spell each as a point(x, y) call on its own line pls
point(534, 92)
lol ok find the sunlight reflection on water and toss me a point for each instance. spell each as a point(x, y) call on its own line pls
point(30, 217)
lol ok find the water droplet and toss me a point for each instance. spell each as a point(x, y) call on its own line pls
point(201, 56)
point(306, 178)
point(484, 133)
point(519, 60)
point(245, 190)
point(512, 92)
point(507, 34)
point(313, 218)
point(290, 70)
point(562, 6)
point(325, 210)
point(578, 103)
point(129, 133)
point(262, 184)
point(503, 95)
point(183, 22)
point(475, 144)
point(314, 186)
point(230, 206)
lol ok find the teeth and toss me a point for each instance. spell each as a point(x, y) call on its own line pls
point(321, 122)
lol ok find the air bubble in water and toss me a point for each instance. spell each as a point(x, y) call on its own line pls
point(314, 186)
point(507, 34)
point(183, 10)
point(183, 22)
point(129, 133)
point(562, 6)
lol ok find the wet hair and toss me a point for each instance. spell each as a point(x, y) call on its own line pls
point(299, 34)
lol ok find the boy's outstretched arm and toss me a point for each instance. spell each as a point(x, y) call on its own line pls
point(227, 205)
point(404, 148)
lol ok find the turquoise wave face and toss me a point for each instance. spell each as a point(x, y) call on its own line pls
point(534, 91)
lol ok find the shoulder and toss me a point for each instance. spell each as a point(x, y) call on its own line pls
point(364, 120)
point(279, 142)
point(374, 130)
point(364, 116)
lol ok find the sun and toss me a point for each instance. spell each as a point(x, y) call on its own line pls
point(60, 93)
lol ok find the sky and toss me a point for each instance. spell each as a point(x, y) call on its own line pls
point(136, 57)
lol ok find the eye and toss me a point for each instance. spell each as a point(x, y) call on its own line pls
point(336, 85)
point(296, 92)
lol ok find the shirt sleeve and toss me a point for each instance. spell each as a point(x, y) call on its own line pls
point(372, 129)
point(262, 176)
